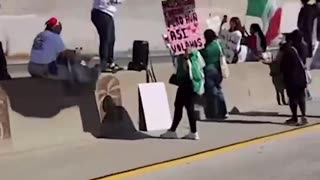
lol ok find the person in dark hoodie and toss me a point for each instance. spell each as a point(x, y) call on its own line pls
point(306, 18)
point(292, 67)
point(317, 14)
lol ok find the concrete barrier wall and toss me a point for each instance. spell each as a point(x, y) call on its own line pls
point(248, 88)
point(37, 113)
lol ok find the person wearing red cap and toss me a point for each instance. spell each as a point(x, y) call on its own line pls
point(46, 49)
point(102, 18)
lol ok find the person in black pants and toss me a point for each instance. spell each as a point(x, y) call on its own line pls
point(4, 75)
point(307, 15)
point(102, 17)
point(184, 98)
point(292, 66)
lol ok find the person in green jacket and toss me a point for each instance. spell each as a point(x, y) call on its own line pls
point(189, 79)
point(216, 105)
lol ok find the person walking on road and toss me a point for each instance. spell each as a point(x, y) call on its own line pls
point(189, 69)
point(216, 105)
point(294, 76)
point(102, 17)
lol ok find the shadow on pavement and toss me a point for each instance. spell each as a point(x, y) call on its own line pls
point(44, 99)
point(117, 123)
point(267, 114)
point(242, 122)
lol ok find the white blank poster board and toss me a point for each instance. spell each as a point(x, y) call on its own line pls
point(154, 102)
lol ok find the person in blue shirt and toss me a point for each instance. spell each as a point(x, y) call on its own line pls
point(47, 48)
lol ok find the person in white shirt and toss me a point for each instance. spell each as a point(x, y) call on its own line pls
point(235, 40)
point(102, 18)
point(46, 49)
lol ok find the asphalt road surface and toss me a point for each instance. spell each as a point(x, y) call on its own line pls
point(295, 158)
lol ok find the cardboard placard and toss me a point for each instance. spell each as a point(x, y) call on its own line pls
point(182, 25)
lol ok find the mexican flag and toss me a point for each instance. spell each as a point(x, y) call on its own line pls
point(270, 12)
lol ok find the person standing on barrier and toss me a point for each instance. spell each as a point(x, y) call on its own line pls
point(187, 90)
point(102, 17)
point(294, 76)
point(216, 105)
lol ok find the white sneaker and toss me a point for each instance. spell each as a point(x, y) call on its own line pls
point(169, 135)
point(227, 116)
point(192, 136)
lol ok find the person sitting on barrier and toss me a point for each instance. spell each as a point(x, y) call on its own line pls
point(257, 43)
point(293, 68)
point(47, 48)
point(238, 47)
point(190, 81)
point(216, 106)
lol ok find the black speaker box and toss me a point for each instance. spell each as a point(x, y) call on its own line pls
point(140, 56)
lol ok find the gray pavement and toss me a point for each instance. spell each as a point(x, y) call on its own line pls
point(88, 159)
point(295, 158)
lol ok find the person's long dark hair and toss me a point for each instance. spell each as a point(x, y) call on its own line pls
point(238, 26)
point(209, 36)
point(263, 42)
point(296, 40)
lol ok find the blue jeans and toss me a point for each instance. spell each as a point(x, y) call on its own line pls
point(216, 105)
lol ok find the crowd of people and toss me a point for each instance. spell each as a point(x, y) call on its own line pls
point(250, 45)
point(288, 70)
point(211, 68)
point(198, 72)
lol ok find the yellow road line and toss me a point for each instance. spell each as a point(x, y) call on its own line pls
point(209, 154)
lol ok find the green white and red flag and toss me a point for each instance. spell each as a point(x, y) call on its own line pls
point(270, 11)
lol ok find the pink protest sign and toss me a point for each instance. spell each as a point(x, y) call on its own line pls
point(182, 25)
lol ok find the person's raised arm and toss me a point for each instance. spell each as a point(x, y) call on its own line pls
point(116, 1)
point(224, 20)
